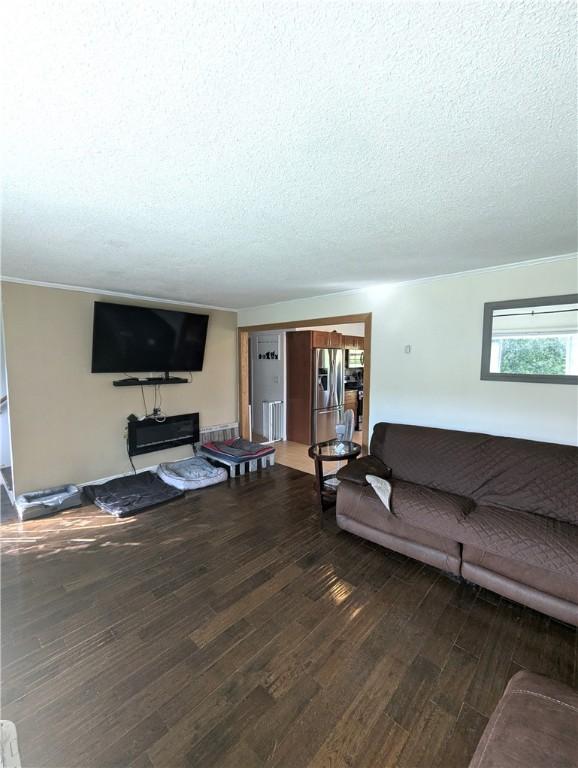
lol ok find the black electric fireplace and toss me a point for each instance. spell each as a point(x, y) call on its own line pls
point(152, 435)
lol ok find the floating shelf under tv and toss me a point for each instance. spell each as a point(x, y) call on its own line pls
point(153, 381)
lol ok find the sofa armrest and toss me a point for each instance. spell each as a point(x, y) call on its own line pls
point(534, 724)
point(355, 471)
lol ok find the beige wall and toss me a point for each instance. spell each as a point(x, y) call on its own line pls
point(67, 423)
point(439, 384)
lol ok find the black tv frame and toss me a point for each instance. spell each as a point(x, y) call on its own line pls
point(133, 380)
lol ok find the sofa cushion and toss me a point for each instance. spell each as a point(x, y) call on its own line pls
point(543, 579)
point(529, 539)
point(516, 474)
point(535, 724)
point(443, 459)
point(428, 508)
point(360, 503)
point(356, 471)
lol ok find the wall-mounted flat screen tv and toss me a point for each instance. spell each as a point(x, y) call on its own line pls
point(129, 339)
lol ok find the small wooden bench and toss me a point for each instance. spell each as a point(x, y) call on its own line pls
point(238, 467)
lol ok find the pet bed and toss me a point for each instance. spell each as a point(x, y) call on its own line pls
point(190, 474)
point(238, 450)
point(41, 503)
point(125, 496)
point(239, 455)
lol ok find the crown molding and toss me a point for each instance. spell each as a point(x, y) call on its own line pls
point(417, 280)
point(116, 294)
point(351, 291)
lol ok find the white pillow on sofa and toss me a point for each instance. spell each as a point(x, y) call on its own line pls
point(382, 488)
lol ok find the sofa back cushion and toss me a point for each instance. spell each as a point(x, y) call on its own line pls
point(507, 472)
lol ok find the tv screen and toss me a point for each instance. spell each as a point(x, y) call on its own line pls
point(129, 339)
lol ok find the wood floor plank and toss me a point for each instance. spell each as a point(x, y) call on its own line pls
point(463, 739)
point(413, 692)
point(340, 628)
point(493, 669)
point(348, 738)
point(475, 630)
point(428, 735)
point(268, 730)
point(545, 647)
point(245, 605)
point(240, 756)
point(230, 729)
point(304, 738)
point(454, 681)
point(439, 640)
point(197, 710)
point(384, 744)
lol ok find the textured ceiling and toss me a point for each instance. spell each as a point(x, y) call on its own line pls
point(237, 154)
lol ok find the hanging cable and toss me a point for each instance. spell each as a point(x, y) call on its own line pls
point(130, 457)
point(144, 401)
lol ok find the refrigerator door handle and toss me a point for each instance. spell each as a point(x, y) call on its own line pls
point(322, 378)
point(338, 377)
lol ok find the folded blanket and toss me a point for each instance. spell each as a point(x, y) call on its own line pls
point(382, 488)
point(239, 447)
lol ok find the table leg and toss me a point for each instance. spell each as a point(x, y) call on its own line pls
point(319, 486)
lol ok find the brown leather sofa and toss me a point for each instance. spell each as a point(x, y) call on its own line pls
point(497, 511)
point(535, 725)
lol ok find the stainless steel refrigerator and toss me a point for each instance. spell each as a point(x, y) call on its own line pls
point(328, 393)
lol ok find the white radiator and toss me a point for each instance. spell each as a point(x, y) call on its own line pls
point(273, 417)
point(219, 432)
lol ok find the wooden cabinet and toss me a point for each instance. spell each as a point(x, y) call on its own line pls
point(326, 340)
point(350, 342)
point(299, 356)
point(318, 339)
point(353, 342)
point(334, 340)
point(351, 400)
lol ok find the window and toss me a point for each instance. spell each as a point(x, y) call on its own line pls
point(534, 354)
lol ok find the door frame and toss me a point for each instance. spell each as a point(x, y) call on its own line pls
point(243, 361)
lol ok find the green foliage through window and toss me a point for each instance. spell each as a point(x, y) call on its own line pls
point(544, 355)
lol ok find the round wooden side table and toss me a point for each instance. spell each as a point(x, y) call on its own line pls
point(330, 450)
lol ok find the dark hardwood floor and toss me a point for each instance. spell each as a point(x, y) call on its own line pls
point(227, 630)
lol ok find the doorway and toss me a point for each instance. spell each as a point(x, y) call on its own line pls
point(267, 377)
point(263, 381)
